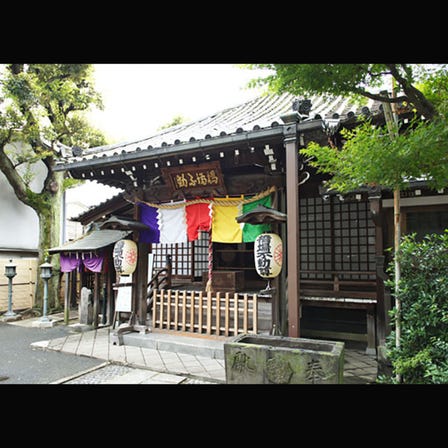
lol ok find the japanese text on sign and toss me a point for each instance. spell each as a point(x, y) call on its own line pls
point(264, 255)
point(206, 176)
point(199, 178)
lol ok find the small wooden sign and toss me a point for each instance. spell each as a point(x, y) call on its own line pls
point(206, 177)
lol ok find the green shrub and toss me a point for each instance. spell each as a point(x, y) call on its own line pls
point(422, 357)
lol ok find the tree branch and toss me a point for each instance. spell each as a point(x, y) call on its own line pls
point(414, 96)
point(14, 179)
point(385, 99)
point(377, 75)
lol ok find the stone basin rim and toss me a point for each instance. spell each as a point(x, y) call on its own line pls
point(284, 342)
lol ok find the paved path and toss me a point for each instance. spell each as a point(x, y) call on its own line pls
point(20, 364)
point(180, 366)
point(173, 367)
point(129, 364)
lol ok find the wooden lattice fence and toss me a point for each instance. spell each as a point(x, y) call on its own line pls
point(220, 314)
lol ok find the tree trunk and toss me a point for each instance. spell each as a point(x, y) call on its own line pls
point(418, 100)
point(49, 236)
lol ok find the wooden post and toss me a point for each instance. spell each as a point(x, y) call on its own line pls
point(226, 314)
point(110, 280)
point(168, 310)
point(67, 298)
point(96, 299)
point(282, 284)
point(176, 310)
point(235, 314)
point(184, 310)
point(73, 288)
point(376, 213)
point(292, 222)
point(218, 313)
point(209, 313)
point(200, 311)
point(255, 313)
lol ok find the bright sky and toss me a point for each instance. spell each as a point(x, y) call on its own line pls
point(139, 98)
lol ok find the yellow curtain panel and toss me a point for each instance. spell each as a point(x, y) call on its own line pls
point(225, 229)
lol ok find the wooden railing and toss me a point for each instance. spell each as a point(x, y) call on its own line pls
point(220, 314)
point(337, 287)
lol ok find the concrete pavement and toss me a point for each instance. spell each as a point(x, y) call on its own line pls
point(167, 358)
point(176, 367)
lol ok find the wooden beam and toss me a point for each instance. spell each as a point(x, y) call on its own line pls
point(292, 223)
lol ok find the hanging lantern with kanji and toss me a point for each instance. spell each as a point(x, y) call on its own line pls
point(268, 253)
point(125, 257)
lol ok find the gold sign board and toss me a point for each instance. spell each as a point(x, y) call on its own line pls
point(206, 178)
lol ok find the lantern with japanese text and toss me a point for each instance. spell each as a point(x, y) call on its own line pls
point(125, 256)
point(268, 252)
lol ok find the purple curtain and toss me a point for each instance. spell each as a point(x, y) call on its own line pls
point(148, 216)
point(93, 263)
point(69, 263)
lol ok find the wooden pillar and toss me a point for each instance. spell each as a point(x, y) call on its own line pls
point(73, 288)
point(292, 223)
point(110, 280)
point(376, 213)
point(142, 286)
point(140, 280)
point(283, 289)
point(96, 298)
point(67, 298)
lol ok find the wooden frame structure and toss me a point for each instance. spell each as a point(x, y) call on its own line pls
point(205, 313)
point(334, 250)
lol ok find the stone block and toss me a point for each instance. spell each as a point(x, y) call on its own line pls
point(264, 359)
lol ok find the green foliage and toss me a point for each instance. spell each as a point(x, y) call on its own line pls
point(47, 100)
point(434, 85)
point(371, 157)
point(422, 357)
point(69, 182)
point(330, 79)
point(354, 80)
point(40, 105)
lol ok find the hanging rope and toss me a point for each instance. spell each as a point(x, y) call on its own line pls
point(208, 286)
point(225, 201)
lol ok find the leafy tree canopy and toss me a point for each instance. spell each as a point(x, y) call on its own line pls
point(369, 156)
point(47, 101)
point(355, 80)
point(42, 105)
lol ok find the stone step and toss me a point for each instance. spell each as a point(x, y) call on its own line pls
point(198, 346)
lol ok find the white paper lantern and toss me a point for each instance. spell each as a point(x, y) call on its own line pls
point(125, 256)
point(268, 252)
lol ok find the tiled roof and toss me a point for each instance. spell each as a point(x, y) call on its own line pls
point(262, 112)
point(94, 240)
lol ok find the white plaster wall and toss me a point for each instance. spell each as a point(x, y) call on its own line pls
point(19, 224)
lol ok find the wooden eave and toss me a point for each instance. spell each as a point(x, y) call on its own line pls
point(142, 167)
point(117, 205)
point(221, 142)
